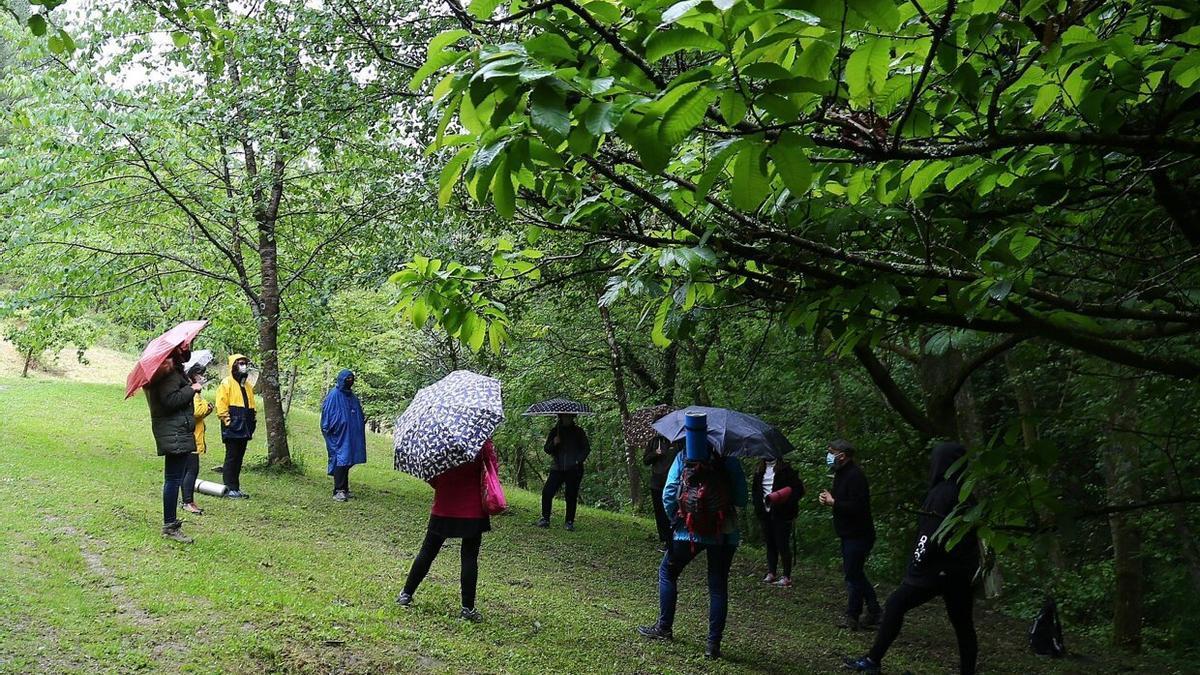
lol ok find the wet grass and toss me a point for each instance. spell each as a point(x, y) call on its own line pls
point(291, 581)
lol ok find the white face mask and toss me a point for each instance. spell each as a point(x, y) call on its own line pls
point(830, 458)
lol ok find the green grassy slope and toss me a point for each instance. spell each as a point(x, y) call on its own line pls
point(292, 581)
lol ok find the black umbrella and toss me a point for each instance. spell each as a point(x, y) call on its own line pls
point(446, 424)
point(732, 433)
point(558, 406)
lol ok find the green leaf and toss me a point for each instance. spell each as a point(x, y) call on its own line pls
point(882, 13)
point(867, 68)
point(549, 47)
point(181, 39)
point(503, 194)
point(445, 39)
point(792, 164)
point(451, 173)
point(658, 333)
point(682, 117)
point(716, 165)
point(55, 44)
point(750, 183)
point(1046, 96)
point(664, 43)
point(37, 24)
point(816, 60)
point(419, 312)
point(1022, 244)
point(601, 118)
point(958, 175)
point(434, 63)
point(483, 9)
point(733, 107)
point(548, 113)
point(605, 12)
point(676, 11)
point(1186, 71)
point(922, 179)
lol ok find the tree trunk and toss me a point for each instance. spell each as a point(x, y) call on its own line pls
point(268, 345)
point(28, 362)
point(618, 372)
point(291, 389)
point(1121, 473)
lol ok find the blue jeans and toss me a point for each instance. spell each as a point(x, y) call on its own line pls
point(854, 559)
point(174, 467)
point(679, 554)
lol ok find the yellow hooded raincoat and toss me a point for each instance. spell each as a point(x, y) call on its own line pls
point(235, 405)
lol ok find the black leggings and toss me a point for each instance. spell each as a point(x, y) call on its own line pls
point(470, 565)
point(778, 534)
point(960, 600)
point(173, 468)
point(190, 472)
point(341, 479)
point(572, 479)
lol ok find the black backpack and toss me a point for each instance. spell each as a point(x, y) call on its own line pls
point(705, 498)
point(1045, 635)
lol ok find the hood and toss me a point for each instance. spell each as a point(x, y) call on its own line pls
point(943, 457)
point(341, 378)
point(233, 359)
point(200, 360)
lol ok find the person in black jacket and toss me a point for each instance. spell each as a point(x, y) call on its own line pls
point(568, 444)
point(172, 420)
point(850, 499)
point(659, 455)
point(935, 569)
point(776, 493)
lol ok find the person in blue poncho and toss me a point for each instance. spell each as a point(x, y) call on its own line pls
point(344, 428)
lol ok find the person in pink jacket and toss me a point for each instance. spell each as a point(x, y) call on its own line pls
point(458, 513)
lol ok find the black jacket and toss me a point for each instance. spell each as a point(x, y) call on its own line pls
point(785, 476)
point(852, 503)
point(660, 465)
point(572, 450)
point(172, 413)
point(931, 560)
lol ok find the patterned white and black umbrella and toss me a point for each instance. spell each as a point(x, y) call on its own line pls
point(558, 406)
point(446, 424)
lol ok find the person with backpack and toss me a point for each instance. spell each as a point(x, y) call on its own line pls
point(235, 407)
point(659, 455)
point(702, 497)
point(935, 569)
point(850, 500)
point(459, 512)
point(776, 492)
point(569, 447)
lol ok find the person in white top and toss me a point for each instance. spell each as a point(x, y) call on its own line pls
point(777, 492)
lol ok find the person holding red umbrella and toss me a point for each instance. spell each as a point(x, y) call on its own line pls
point(172, 419)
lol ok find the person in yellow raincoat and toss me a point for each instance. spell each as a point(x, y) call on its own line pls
point(235, 407)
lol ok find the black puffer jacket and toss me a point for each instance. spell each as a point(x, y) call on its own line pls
point(785, 476)
point(172, 413)
point(931, 559)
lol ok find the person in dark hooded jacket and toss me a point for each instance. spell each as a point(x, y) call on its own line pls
point(568, 445)
point(172, 420)
point(935, 569)
point(344, 428)
point(776, 495)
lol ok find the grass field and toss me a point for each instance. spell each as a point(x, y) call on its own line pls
point(291, 581)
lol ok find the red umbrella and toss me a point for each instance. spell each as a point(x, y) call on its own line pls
point(156, 353)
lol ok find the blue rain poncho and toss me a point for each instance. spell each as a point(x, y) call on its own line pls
point(343, 425)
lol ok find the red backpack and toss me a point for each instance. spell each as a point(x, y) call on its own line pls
point(705, 498)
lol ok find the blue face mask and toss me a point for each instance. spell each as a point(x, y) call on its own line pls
point(830, 458)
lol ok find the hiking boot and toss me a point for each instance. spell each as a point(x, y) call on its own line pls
point(173, 533)
point(191, 507)
point(770, 578)
point(862, 664)
point(404, 599)
point(570, 526)
point(849, 622)
point(340, 496)
point(543, 523)
point(470, 614)
point(870, 620)
point(783, 582)
point(656, 632)
point(236, 494)
point(712, 651)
